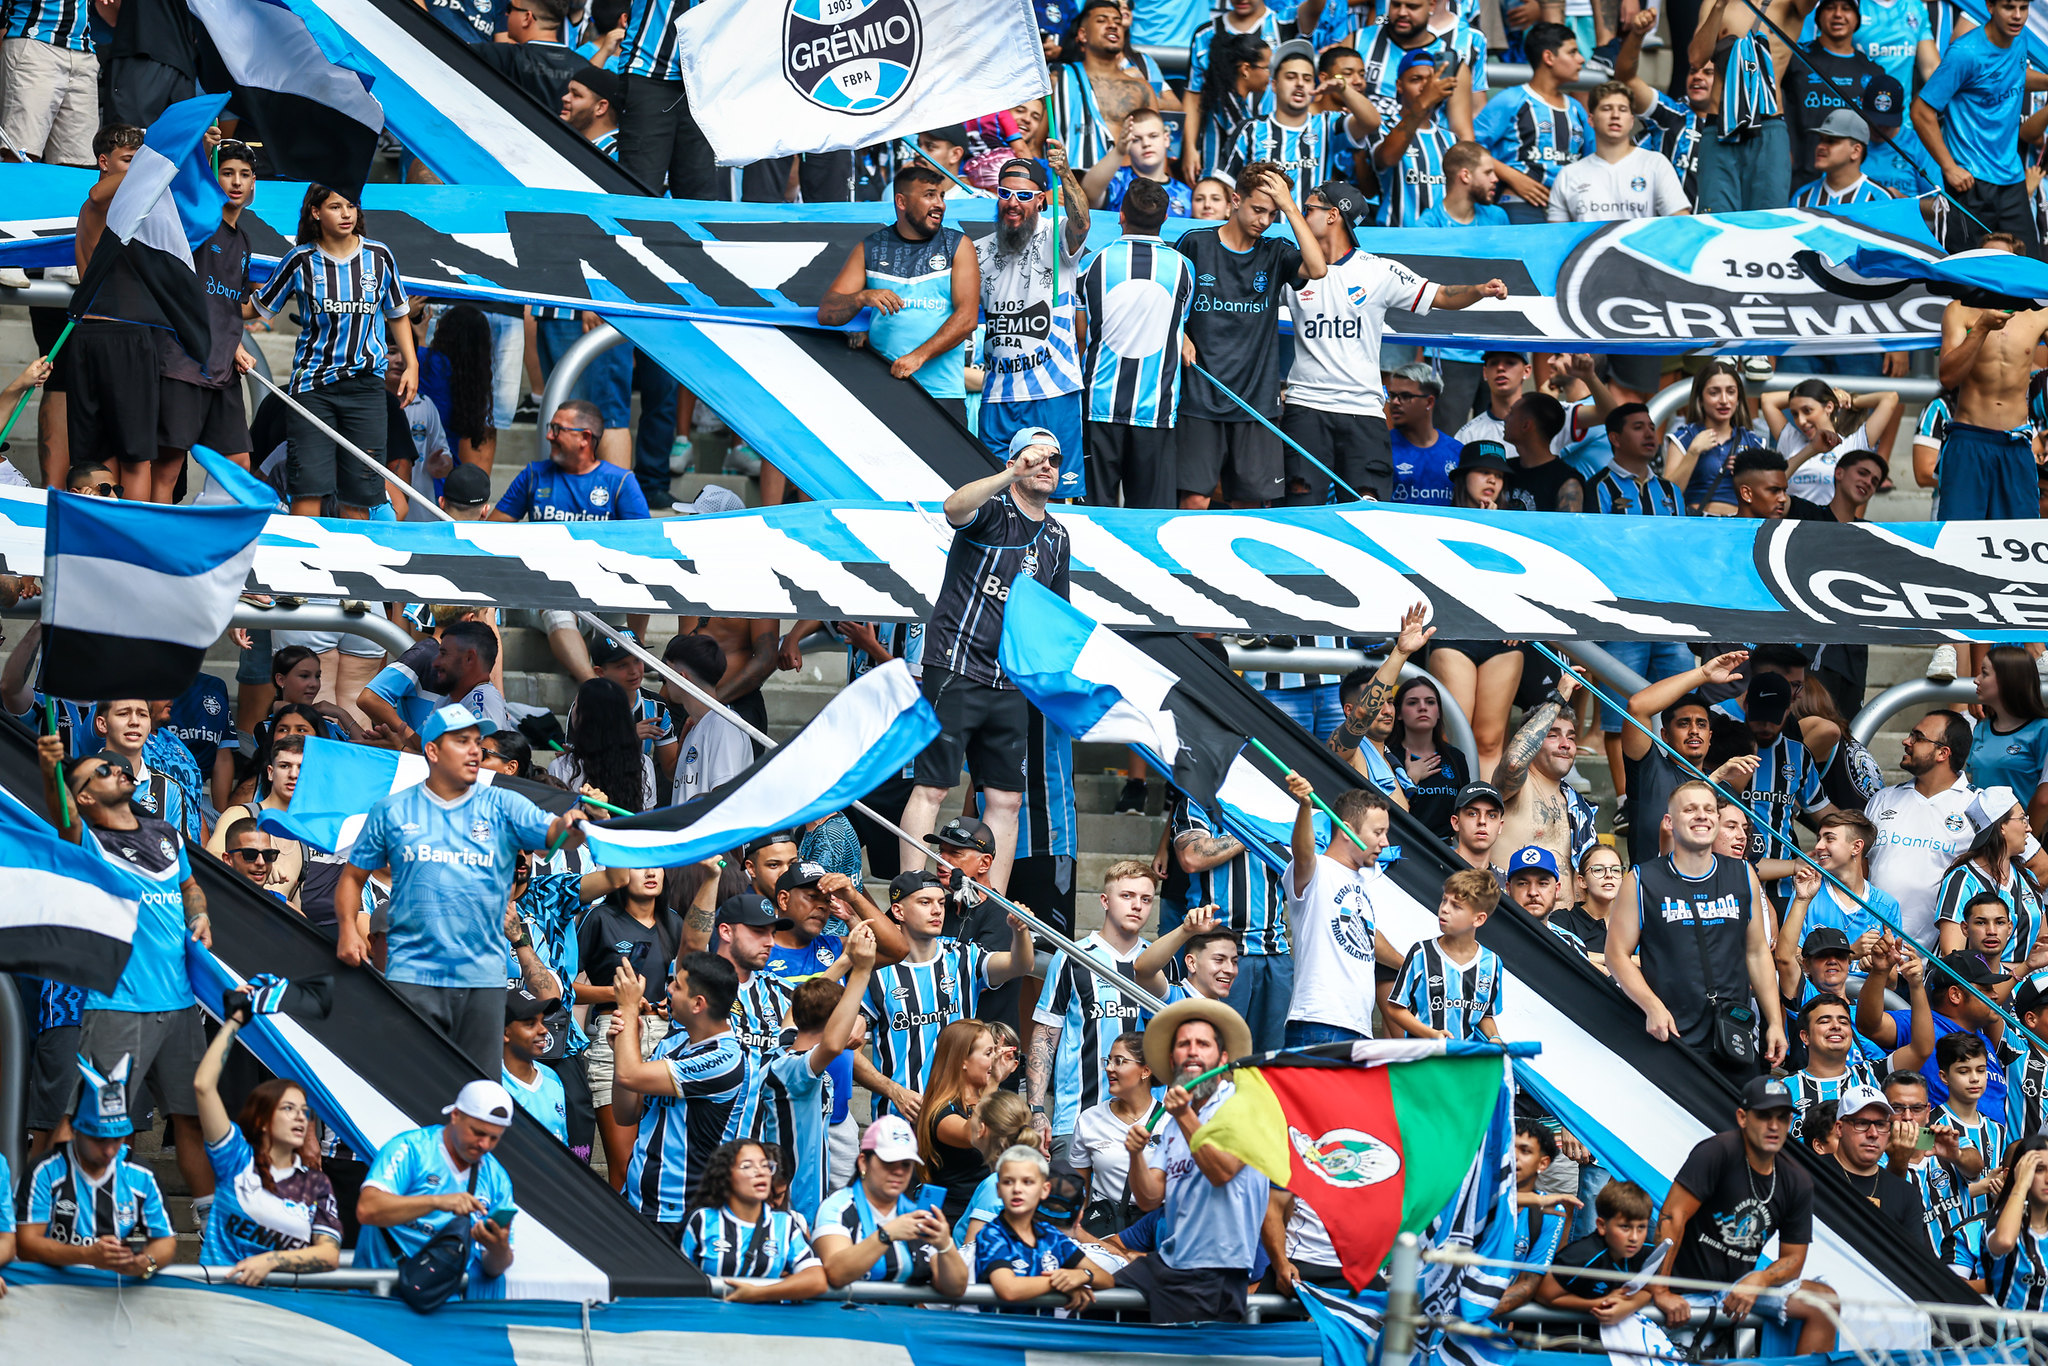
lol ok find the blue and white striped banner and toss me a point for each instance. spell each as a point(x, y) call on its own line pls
point(65, 912)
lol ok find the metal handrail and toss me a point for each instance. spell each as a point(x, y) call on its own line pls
point(1895, 699)
point(1667, 401)
point(369, 624)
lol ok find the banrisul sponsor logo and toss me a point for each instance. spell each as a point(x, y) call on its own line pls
point(1731, 279)
point(851, 56)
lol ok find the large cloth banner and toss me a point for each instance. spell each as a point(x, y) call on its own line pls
point(1346, 570)
point(1709, 284)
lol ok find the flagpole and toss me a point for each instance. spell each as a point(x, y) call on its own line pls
point(63, 792)
point(1313, 796)
point(21, 404)
point(631, 646)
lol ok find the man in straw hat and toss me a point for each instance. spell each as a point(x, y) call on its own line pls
point(1214, 1203)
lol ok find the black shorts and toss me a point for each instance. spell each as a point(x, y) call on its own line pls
point(48, 324)
point(1134, 466)
point(112, 416)
point(1356, 446)
point(1243, 457)
point(314, 466)
point(1478, 651)
point(985, 726)
point(191, 415)
point(1195, 1295)
point(1045, 883)
point(53, 1077)
point(1639, 373)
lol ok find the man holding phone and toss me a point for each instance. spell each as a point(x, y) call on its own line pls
point(425, 1177)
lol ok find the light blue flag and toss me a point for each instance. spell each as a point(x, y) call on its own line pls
point(338, 784)
point(66, 913)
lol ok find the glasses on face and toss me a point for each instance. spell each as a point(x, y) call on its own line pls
point(1007, 195)
point(557, 429)
point(1397, 396)
point(1916, 738)
point(102, 770)
point(1919, 1109)
point(755, 1166)
point(100, 490)
point(1881, 1122)
point(256, 855)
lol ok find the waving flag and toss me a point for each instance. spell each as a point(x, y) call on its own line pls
point(340, 782)
point(1984, 278)
point(316, 121)
point(1378, 1141)
point(768, 78)
point(167, 204)
point(65, 913)
point(863, 737)
point(137, 592)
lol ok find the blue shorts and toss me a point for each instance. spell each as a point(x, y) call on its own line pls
point(1060, 415)
point(1987, 476)
point(1655, 660)
point(606, 381)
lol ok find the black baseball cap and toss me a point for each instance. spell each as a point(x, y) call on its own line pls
point(466, 486)
point(1347, 199)
point(1884, 102)
point(1768, 699)
point(1974, 968)
point(1478, 792)
point(760, 842)
point(800, 874)
point(1825, 940)
point(751, 908)
point(606, 85)
point(953, 133)
point(605, 651)
point(909, 884)
point(963, 832)
point(521, 1004)
point(2030, 994)
point(1762, 1094)
point(1029, 167)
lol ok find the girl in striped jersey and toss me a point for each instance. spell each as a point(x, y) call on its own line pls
point(343, 281)
point(2018, 1243)
point(1992, 864)
point(733, 1232)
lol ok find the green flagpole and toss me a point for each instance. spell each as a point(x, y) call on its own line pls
point(21, 404)
point(50, 722)
point(1313, 796)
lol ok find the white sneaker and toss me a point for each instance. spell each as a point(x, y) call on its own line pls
point(742, 459)
point(61, 275)
point(12, 278)
point(680, 457)
point(1942, 668)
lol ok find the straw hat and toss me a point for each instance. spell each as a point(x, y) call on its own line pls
point(1235, 1034)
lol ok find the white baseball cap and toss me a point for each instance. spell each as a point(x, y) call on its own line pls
point(712, 498)
point(484, 1100)
point(890, 1139)
point(1854, 1100)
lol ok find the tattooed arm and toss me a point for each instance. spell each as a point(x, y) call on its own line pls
point(1345, 740)
point(1199, 851)
point(701, 920)
point(1045, 1042)
point(1521, 750)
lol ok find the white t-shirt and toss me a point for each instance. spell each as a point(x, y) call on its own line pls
point(1334, 929)
point(1917, 838)
point(1595, 190)
point(1098, 1146)
point(1485, 427)
point(1815, 480)
point(713, 750)
point(1338, 321)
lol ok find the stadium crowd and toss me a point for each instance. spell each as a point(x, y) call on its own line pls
point(813, 1060)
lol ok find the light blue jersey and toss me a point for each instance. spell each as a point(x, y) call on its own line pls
point(1749, 88)
point(418, 1162)
point(1536, 139)
point(1136, 294)
point(7, 1205)
point(1961, 885)
point(1089, 1012)
point(2017, 758)
point(908, 1003)
point(451, 875)
point(1306, 154)
point(1815, 194)
point(718, 1243)
point(248, 1220)
point(1446, 995)
point(1986, 1135)
point(1831, 911)
point(1245, 891)
point(794, 1110)
point(544, 1100)
point(847, 1213)
point(154, 855)
point(77, 1212)
point(921, 274)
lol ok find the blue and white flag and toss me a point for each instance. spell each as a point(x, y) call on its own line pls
point(340, 782)
point(1350, 1325)
point(863, 737)
point(136, 593)
point(65, 913)
point(1985, 277)
point(316, 121)
point(167, 204)
point(770, 78)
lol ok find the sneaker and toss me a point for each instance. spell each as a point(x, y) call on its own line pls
point(1942, 668)
point(1620, 823)
point(12, 278)
point(1577, 781)
point(2041, 667)
point(742, 459)
point(681, 459)
point(1597, 68)
point(61, 275)
point(527, 411)
point(1132, 798)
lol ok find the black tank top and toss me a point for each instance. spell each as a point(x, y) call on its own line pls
point(1695, 938)
point(959, 1171)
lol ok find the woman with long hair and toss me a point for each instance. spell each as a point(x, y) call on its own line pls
point(604, 748)
point(455, 373)
point(1701, 449)
point(273, 1208)
point(962, 1072)
point(342, 280)
point(2016, 1243)
point(295, 675)
point(1994, 863)
point(637, 926)
point(1815, 426)
point(1001, 1121)
point(1236, 86)
point(293, 719)
point(1436, 767)
point(2010, 748)
point(1098, 1152)
point(732, 1230)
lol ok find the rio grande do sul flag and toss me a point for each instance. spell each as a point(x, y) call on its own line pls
point(1376, 1135)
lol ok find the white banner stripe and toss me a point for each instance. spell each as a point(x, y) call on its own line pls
point(38, 897)
point(147, 184)
point(117, 598)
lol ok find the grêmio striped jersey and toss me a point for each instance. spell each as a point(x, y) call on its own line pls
point(1136, 294)
point(60, 23)
point(343, 304)
point(678, 1133)
point(910, 1002)
point(1090, 1013)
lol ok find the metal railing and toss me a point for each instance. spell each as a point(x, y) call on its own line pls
point(1667, 401)
point(362, 620)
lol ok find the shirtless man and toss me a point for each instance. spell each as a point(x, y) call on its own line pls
point(1095, 117)
point(1531, 783)
point(1987, 356)
point(751, 648)
point(1360, 718)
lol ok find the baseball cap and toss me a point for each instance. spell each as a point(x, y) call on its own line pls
point(484, 1100)
point(1031, 436)
point(1973, 968)
point(802, 874)
point(1532, 858)
point(466, 486)
point(751, 908)
point(1482, 455)
point(1991, 806)
point(963, 832)
point(1844, 123)
point(1030, 168)
point(1854, 1100)
point(1768, 699)
point(1884, 102)
point(711, 498)
point(1421, 56)
point(1825, 940)
point(1479, 792)
point(953, 133)
point(521, 1004)
point(1347, 199)
point(1293, 48)
point(909, 884)
point(454, 716)
point(760, 842)
point(2030, 994)
point(1767, 1093)
point(604, 650)
point(606, 85)
point(890, 1139)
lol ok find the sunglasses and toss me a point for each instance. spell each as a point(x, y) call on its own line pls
point(102, 770)
point(1006, 195)
point(99, 490)
point(256, 855)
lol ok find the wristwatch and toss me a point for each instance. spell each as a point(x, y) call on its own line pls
point(1555, 696)
point(151, 1269)
point(883, 1235)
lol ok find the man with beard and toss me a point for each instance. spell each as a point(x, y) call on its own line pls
point(1032, 360)
point(1540, 809)
point(1688, 728)
point(920, 279)
point(1922, 825)
point(1213, 1202)
point(433, 673)
point(1094, 90)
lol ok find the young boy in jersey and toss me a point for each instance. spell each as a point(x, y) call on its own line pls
point(1449, 987)
point(1965, 1067)
point(1020, 1256)
point(1079, 1015)
point(1611, 1255)
point(1540, 1219)
point(797, 1085)
point(537, 1089)
point(2026, 1077)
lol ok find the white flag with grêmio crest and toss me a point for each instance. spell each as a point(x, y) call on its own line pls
point(851, 73)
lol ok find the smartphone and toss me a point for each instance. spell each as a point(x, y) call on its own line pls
point(137, 1241)
point(502, 1215)
point(1449, 69)
point(1924, 1143)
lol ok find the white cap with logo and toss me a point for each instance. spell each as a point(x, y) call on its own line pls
point(485, 1100)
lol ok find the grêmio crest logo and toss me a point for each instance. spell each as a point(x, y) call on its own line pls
point(851, 56)
point(1961, 576)
point(1696, 277)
